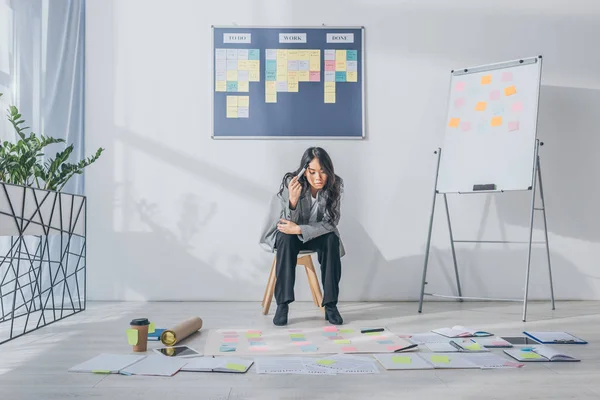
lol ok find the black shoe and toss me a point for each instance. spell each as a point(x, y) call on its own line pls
point(281, 315)
point(333, 315)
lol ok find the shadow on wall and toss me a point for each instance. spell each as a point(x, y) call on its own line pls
point(569, 163)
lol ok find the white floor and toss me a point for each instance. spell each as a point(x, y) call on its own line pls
point(35, 365)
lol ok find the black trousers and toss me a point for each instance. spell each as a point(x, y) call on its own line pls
point(328, 251)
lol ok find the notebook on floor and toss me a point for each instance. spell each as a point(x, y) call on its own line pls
point(221, 364)
point(391, 361)
point(493, 342)
point(540, 354)
point(107, 363)
point(468, 346)
point(460, 331)
point(555, 338)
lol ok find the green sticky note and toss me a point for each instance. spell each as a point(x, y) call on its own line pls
point(101, 371)
point(326, 362)
point(401, 359)
point(474, 346)
point(373, 333)
point(346, 330)
point(297, 335)
point(529, 355)
point(151, 328)
point(252, 335)
point(342, 341)
point(132, 336)
point(236, 367)
point(440, 359)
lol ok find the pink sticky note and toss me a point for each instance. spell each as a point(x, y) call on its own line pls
point(393, 348)
point(330, 329)
point(513, 126)
point(230, 340)
point(329, 65)
point(459, 86)
point(507, 76)
point(230, 333)
point(518, 106)
point(335, 338)
point(294, 330)
point(315, 76)
point(465, 126)
point(459, 102)
point(349, 349)
point(379, 337)
point(253, 331)
point(495, 95)
point(259, 348)
point(301, 343)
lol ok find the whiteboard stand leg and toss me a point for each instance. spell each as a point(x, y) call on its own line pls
point(452, 247)
point(545, 230)
point(531, 217)
point(427, 247)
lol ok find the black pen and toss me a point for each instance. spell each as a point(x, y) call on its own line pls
point(412, 346)
point(371, 330)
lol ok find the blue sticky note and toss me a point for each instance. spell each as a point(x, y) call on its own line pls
point(232, 86)
point(330, 334)
point(298, 339)
point(340, 76)
point(308, 347)
point(253, 54)
point(351, 55)
point(257, 343)
point(385, 341)
point(271, 76)
point(226, 348)
point(271, 65)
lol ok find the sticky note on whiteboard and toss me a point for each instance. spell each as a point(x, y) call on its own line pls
point(459, 86)
point(518, 106)
point(481, 106)
point(486, 79)
point(509, 91)
point(496, 121)
point(454, 122)
point(513, 126)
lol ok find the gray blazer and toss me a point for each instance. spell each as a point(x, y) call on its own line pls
point(280, 209)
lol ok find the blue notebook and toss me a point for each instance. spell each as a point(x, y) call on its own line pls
point(555, 338)
point(155, 336)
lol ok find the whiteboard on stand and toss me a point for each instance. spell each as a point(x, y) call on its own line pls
point(491, 127)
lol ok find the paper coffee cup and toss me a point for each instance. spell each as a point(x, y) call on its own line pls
point(141, 325)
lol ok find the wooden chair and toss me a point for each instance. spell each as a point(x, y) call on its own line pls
point(305, 259)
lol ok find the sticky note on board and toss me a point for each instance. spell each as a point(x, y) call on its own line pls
point(340, 76)
point(293, 87)
point(401, 360)
point(459, 86)
point(132, 337)
point(454, 122)
point(282, 54)
point(330, 88)
point(459, 102)
point(270, 87)
point(496, 121)
point(221, 86)
point(513, 126)
point(495, 95)
point(351, 76)
point(326, 362)
point(314, 63)
point(440, 359)
point(271, 98)
point(481, 105)
point(509, 91)
point(329, 98)
point(232, 101)
point(486, 79)
point(303, 76)
point(232, 75)
point(517, 107)
point(254, 76)
point(232, 112)
point(253, 54)
point(232, 86)
point(244, 101)
point(304, 55)
point(235, 367)
point(342, 341)
point(351, 55)
point(329, 65)
point(243, 65)
point(340, 55)
point(507, 76)
point(465, 126)
point(244, 86)
point(340, 65)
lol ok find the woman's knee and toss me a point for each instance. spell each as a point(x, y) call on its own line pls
point(332, 240)
point(283, 239)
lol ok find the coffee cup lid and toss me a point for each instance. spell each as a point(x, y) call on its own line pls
point(139, 322)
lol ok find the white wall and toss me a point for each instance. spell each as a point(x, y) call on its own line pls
point(175, 215)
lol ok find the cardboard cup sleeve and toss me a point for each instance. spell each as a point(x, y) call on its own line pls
point(182, 330)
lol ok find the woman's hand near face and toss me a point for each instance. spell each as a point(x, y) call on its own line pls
point(295, 189)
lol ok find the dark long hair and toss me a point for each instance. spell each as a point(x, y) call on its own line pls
point(333, 187)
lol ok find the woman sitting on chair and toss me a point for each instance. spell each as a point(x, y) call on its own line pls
point(310, 211)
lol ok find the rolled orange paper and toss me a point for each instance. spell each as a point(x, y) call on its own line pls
point(181, 331)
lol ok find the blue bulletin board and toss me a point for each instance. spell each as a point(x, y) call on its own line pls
point(288, 83)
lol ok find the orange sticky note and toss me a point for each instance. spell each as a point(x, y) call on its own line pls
point(454, 122)
point(486, 79)
point(496, 121)
point(481, 106)
point(509, 91)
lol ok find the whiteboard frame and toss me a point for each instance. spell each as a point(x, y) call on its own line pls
point(491, 67)
point(212, 79)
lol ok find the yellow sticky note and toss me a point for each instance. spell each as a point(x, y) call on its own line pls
point(244, 86)
point(401, 359)
point(282, 55)
point(346, 331)
point(440, 359)
point(232, 75)
point(486, 79)
point(529, 355)
point(342, 341)
point(481, 105)
point(304, 55)
point(232, 112)
point(235, 367)
point(329, 87)
point(271, 98)
point(292, 86)
point(326, 362)
point(100, 371)
point(232, 101)
point(473, 347)
point(252, 335)
point(151, 327)
point(314, 53)
point(454, 122)
point(373, 333)
point(244, 101)
point(351, 76)
point(282, 65)
point(293, 76)
point(282, 75)
point(253, 65)
point(243, 65)
point(221, 86)
point(509, 91)
point(340, 65)
point(496, 121)
point(254, 76)
point(303, 76)
point(340, 55)
point(132, 336)
point(329, 97)
point(292, 54)
point(270, 87)
point(315, 64)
